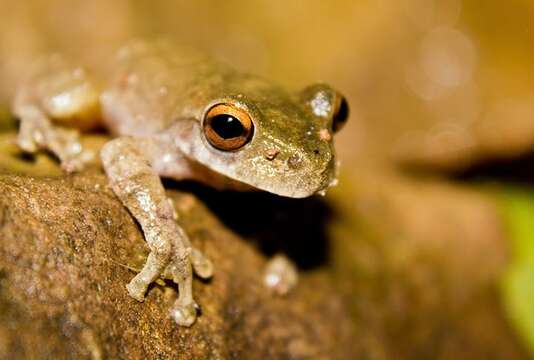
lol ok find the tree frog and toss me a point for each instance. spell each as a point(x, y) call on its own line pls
point(180, 114)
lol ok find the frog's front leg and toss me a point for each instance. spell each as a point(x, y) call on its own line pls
point(132, 177)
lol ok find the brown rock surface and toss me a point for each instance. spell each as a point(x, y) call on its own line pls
point(66, 249)
point(418, 263)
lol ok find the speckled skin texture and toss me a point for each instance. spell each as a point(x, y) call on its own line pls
point(154, 97)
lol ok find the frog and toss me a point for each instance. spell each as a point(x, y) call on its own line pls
point(174, 112)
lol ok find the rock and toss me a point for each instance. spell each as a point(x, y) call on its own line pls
point(417, 262)
point(421, 263)
point(67, 250)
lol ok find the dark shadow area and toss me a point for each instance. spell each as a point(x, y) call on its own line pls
point(295, 227)
point(26, 156)
point(519, 170)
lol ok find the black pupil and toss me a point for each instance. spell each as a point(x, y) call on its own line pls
point(342, 114)
point(227, 126)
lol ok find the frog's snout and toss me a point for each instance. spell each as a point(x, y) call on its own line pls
point(312, 175)
point(329, 173)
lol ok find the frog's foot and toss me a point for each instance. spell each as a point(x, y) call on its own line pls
point(184, 311)
point(137, 289)
point(77, 161)
point(65, 144)
point(179, 268)
point(28, 136)
point(155, 263)
point(184, 314)
point(37, 132)
point(202, 266)
point(280, 275)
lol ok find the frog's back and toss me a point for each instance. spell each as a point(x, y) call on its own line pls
point(153, 84)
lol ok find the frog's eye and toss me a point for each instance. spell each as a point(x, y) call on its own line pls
point(227, 127)
point(340, 113)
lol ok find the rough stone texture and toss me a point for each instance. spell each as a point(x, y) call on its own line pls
point(421, 262)
point(67, 247)
point(418, 263)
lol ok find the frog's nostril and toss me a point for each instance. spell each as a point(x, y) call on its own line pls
point(316, 152)
point(270, 154)
point(294, 161)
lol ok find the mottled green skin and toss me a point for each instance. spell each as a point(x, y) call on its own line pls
point(158, 86)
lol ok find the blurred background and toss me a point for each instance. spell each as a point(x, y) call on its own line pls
point(432, 242)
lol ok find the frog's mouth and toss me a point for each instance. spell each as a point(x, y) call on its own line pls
point(286, 185)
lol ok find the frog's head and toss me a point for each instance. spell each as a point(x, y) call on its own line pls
point(257, 134)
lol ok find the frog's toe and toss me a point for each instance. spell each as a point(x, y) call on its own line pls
point(136, 290)
point(201, 264)
point(72, 165)
point(185, 315)
point(26, 142)
point(78, 162)
point(280, 275)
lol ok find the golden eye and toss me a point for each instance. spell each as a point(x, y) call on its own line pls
point(341, 113)
point(227, 127)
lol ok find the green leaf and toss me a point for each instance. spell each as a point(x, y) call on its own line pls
point(518, 282)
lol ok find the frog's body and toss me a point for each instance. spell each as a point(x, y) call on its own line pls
point(181, 114)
